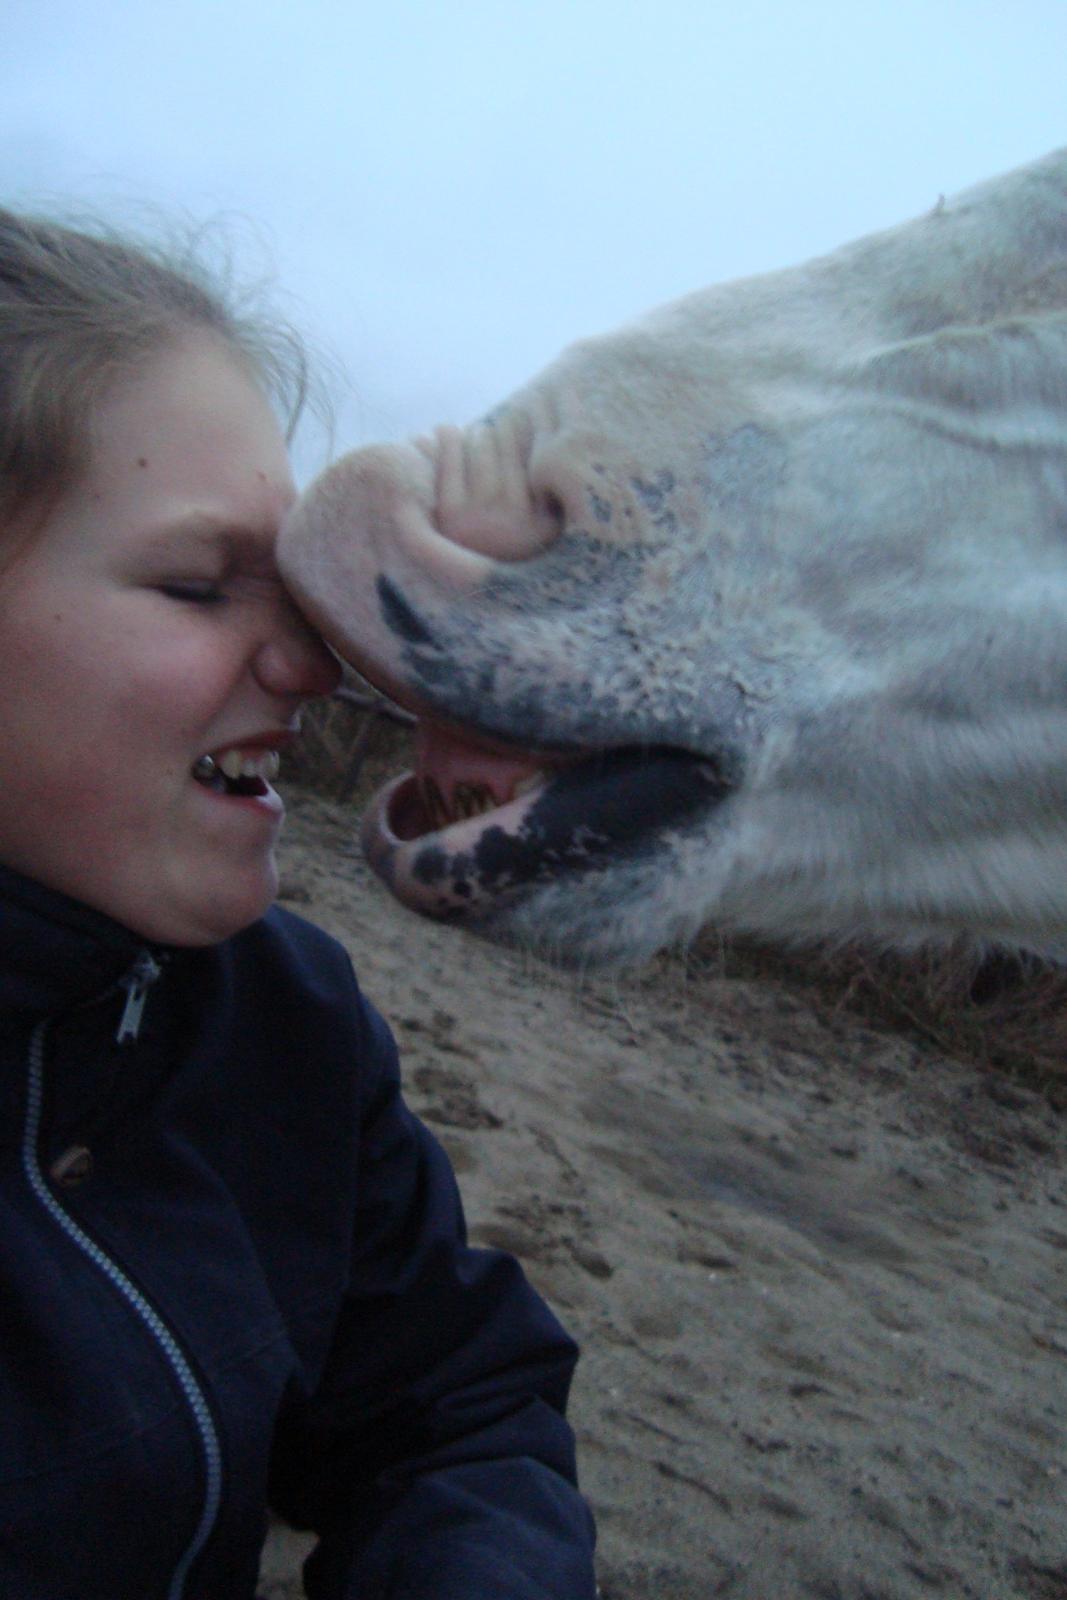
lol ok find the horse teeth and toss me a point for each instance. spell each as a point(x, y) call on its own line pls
point(467, 800)
point(435, 803)
point(471, 800)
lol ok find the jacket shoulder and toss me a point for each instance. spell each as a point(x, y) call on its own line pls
point(291, 943)
point(286, 953)
point(292, 986)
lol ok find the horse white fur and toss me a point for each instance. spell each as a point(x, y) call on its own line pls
point(811, 527)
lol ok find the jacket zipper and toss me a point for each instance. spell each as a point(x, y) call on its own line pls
point(164, 1338)
point(137, 982)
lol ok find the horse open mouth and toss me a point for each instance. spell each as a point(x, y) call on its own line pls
point(476, 825)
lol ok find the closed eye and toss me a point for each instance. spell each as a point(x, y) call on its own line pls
point(194, 592)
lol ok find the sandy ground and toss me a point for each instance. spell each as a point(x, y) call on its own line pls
point(819, 1273)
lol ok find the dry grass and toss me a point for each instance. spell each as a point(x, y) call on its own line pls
point(1000, 1011)
point(350, 744)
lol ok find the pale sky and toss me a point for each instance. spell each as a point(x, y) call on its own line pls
point(447, 193)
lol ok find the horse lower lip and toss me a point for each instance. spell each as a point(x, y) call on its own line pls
point(586, 818)
point(622, 796)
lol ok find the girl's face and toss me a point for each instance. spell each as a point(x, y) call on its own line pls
point(142, 628)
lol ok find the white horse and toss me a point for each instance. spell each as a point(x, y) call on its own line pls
point(752, 613)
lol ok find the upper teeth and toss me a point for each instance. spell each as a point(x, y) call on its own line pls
point(241, 764)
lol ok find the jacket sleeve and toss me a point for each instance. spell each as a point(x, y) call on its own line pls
point(433, 1459)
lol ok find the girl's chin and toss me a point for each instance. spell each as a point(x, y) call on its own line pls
point(206, 912)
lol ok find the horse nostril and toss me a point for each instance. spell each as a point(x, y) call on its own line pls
point(553, 510)
point(399, 615)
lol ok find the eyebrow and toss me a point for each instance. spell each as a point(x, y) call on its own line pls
point(232, 539)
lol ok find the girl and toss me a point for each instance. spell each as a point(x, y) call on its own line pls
point(233, 1271)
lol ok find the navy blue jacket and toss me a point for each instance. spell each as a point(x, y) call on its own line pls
point(233, 1274)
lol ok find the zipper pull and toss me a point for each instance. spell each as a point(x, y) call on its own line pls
point(136, 982)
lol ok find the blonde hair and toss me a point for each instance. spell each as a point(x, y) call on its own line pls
point(80, 309)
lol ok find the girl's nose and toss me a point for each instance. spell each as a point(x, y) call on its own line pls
point(294, 660)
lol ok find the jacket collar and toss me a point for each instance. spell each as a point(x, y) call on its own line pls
point(54, 952)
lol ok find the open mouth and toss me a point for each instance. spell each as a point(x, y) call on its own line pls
point(235, 773)
point(474, 825)
point(459, 779)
